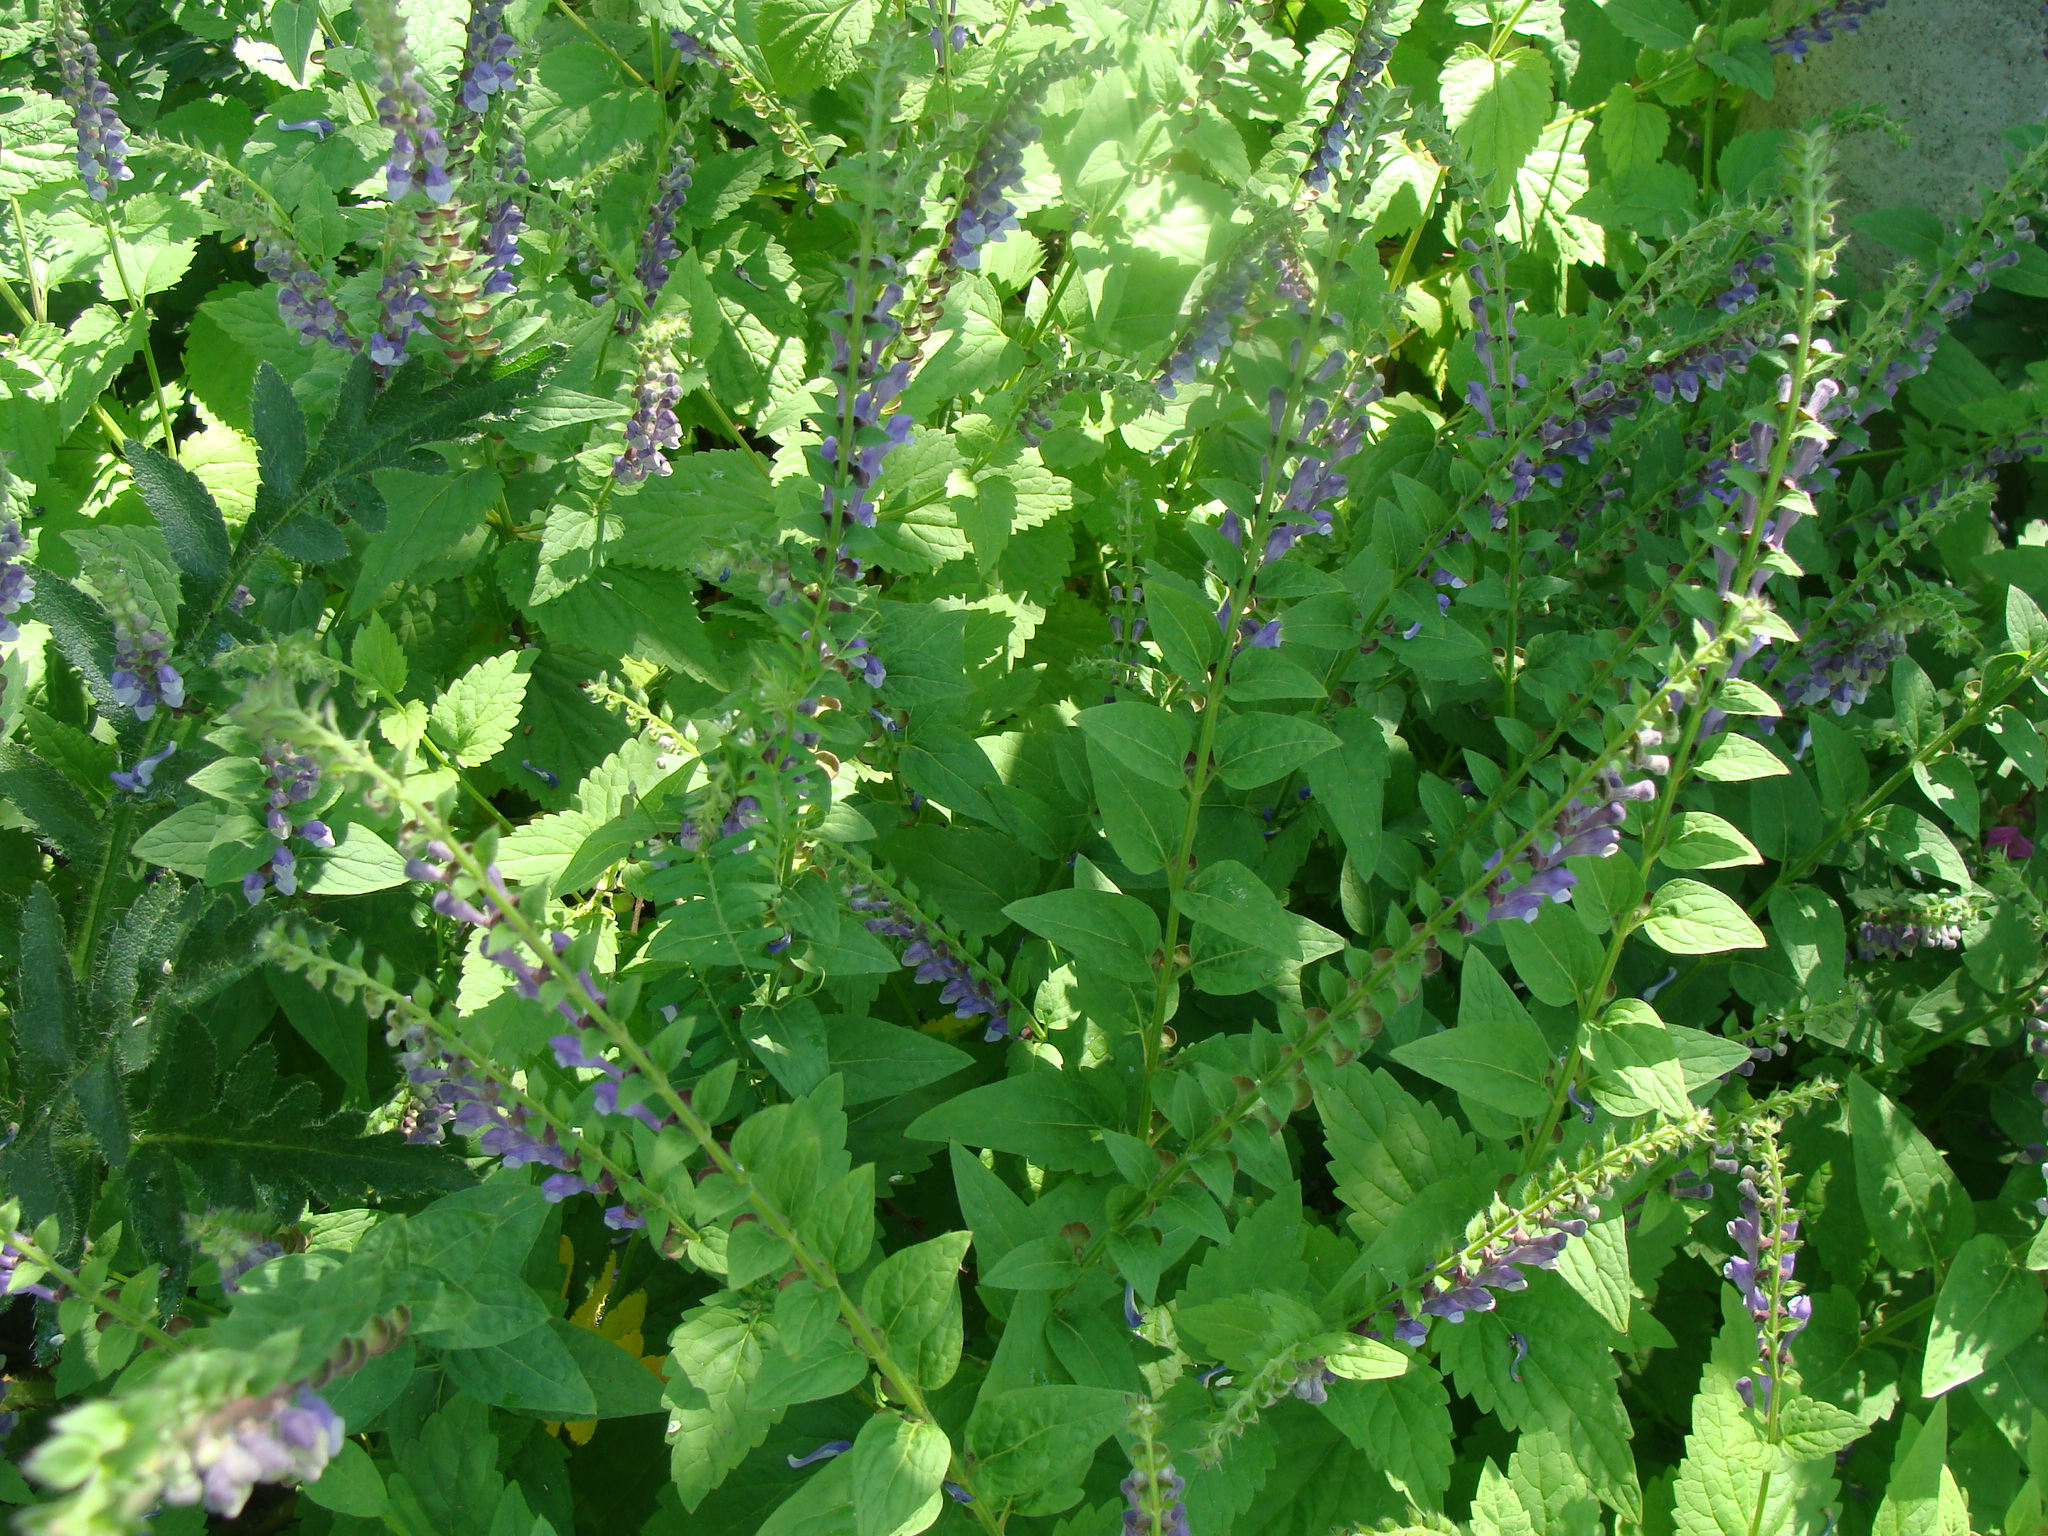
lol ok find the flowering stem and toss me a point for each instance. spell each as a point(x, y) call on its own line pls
point(98, 1297)
point(38, 296)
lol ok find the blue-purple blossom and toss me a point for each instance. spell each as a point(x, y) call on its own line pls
point(824, 1452)
point(693, 51)
point(654, 425)
point(319, 127)
point(419, 155)
point(1214, 326)
point(302, 297)
point(1579, 831)
point(401, 311)
point(143, 677)
point(1841, 674)
point(961, 989)
point(287, 1434)
point(290, 778)
point(866, 388)
point(1821, 27)
point(657, 241)
point(1891, 936)
point(16, 585)
point(501, 248)
point(1368, 60)
point(487, 66)
point(1152, 1495)
point(1762, 1272)
point(987, 212)
point(102, 140)
point(135, 780)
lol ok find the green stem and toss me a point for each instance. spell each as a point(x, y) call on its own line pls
point(138, 307)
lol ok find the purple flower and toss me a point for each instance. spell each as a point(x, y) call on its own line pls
point(1821, 27)
point(1153, 1494)
point(824, 1452)
point(16, 585)
point(487, 66)
point(623, 1218)
point(102, 140)
point(2010, 841)
point(557, 1187)
point(419, 155)
point(288, 1434)
point(501, 248)
point(143, 676)
point(654, 425)
point(657, 240)
point(319, 127)
point(1368, 60)
point(12, 1284)
point(400, 308)
point(302, 297)
point(135, 780)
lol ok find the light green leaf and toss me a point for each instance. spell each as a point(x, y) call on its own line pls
point(1915, 1208)
point(1030, 1438)
point(1596, 1266)
point(1496, 106)
point(1688, 917)
point(1732, 758)
point(1152, 742)
point(913, 1296)
point(1256, 748)
point(360, 861)
point(897, 1466)
point(477, 713)
point(425, 517)
point(1986, 1305)
point(1117, 935)
point(1496, 1054)
point(1632, 131)
point(809, 43)
point(1702, 840)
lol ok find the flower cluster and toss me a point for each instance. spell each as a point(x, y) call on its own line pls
point(291, 778)
point(968, 995)
point(487, 59)
point(1368, 60)
point(1469, 1286)
point(16, 585)
point(287, 1433)
point(448, 1088)
point(419, 155)
point(866, 389)
point(1153, 1490)
point(657, 241)
point(301, 292)
point(501, 248)
point(1216, 324)
point(1579, 831)
point(102, 139)
point(654, 425)
point(1742, 290)
point(1821, 27)
point(1893, 936)
point(143, 676)
point(1767, 1232)
point(401, 311)
point(2011, 842)
point(1842, 675)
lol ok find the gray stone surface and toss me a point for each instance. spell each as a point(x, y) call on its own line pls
point(1956, 72)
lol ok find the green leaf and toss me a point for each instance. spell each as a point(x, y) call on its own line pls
point(1903, 834)
point(1039, 1115)
point(1118, 935)
point(897, 1467)
point(1183, 625)
point(1688, 917)
point(425, 517)
point(360, 861)
point(809, 43)
point(533, 1374)
point(1986, 1305)
point(1231, 899)
point(1652, 23)
point(1152, 742)
point(1632, 131)
point(714, 1358)
point(1497, 106)
point(1912, 1203)
point(1256, 748)
point(1555, 956)
point(1596, 1266)
point(185, 512)
point(477, 713)
point(1496, 1054)
point(1143, 825)
point(350, 1485)
point(1637, 1069)
point(877, 1060)
point(913, 1296)
point(1732, 759)
point(1702, 840)
point(1031, 1438)
point(1349, 783)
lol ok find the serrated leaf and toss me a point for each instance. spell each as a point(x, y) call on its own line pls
point(476, 714)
